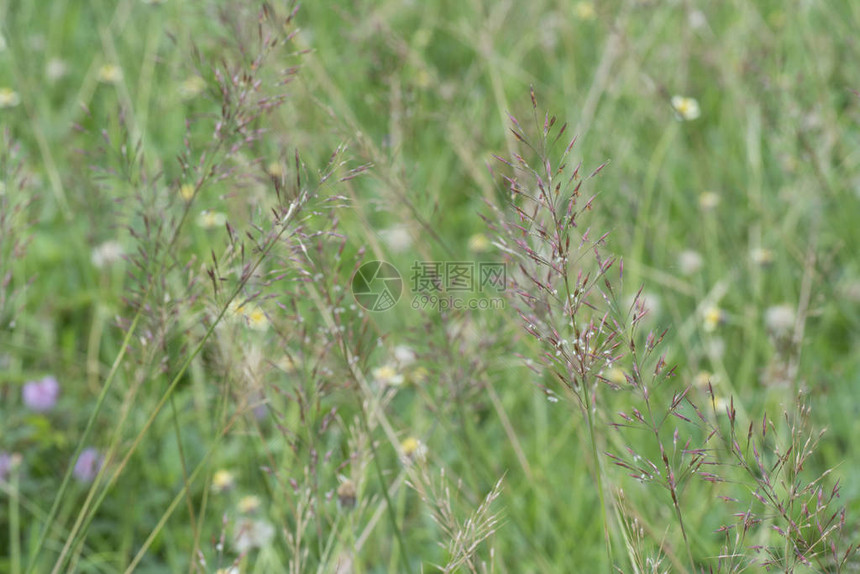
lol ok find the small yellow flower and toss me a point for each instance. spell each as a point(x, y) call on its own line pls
point(275, 169)
point(235, 309)
point(702, 379)
point(479, 243)
point(720, 404)
point(686, 108)
point(9, 98)
point(615, 375)
point(191, 87)
point(209, 219)
point(387, 375)
point(713, 316)
point(223, 480)
point(762, 257)
point(256, 318)
point(585, 11)
point(346, 494)
point(409, 446)
point(413, 449)
point(419, 375)
point(287, 364)
point(249, 504)
point(423, 79)
point(110, 74)
point(186, 191)
point(709, 200)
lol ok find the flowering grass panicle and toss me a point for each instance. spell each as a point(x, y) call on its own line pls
point(561, 287)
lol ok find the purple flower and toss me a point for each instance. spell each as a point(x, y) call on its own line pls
point(41, 396)
point(88, 465)
point(5, 465)
point(8, 462)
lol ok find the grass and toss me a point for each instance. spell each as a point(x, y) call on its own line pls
point(249, 157)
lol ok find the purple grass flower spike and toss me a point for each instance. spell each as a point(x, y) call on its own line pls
point(88, 465)
point(41, 396)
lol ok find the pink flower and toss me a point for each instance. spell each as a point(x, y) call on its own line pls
point(41, 396)
point(88, 465)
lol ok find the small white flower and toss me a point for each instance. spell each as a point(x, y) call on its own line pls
point(252, 534)
point(690, 262)
point(397, 238)
point(697, 20)
point(779, 320)
point(387, 375)
point(210, 219)
point(55, 69)
point(107, 253)
point(686, 109)
point(404, 355)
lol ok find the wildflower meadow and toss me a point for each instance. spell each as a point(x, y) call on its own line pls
point(402, 286)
